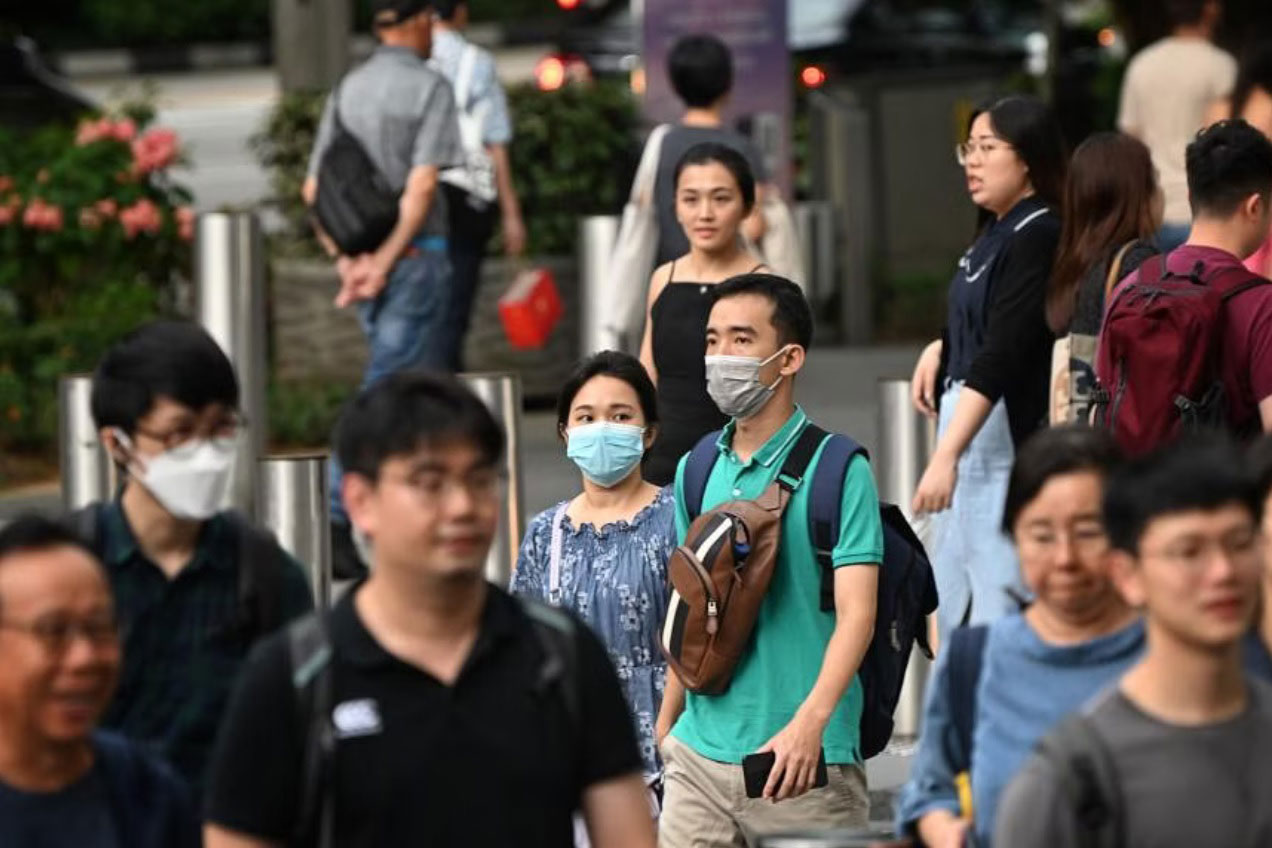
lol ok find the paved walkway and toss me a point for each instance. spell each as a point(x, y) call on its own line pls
point(837, 387)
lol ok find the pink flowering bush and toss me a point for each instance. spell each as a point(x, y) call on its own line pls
point(94, 233)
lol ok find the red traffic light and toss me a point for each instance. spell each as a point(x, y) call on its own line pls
point(568, 4)
point(813, 77)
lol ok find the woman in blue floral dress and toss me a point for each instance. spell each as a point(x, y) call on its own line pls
point(612, 541)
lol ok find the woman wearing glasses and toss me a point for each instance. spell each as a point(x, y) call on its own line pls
point(986, 379)
point(996, 690)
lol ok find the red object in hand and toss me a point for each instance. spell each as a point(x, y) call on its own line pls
point(530, 309)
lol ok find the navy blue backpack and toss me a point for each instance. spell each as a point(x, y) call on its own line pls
point(907, 588)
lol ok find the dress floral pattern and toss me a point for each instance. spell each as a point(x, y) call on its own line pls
point(615, 580)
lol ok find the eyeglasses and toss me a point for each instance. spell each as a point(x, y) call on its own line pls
point(224, 433)
point(1086, 540)
point(1195, 554)
point(56, 633)
point(963, 151)
point(431, 488)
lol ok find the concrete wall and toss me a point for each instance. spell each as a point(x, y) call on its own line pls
point(311, 339)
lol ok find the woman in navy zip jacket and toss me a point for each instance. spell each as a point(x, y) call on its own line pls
point(988, 375)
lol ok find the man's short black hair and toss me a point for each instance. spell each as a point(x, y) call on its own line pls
point(175, 359)
point(406, 411)
point(1201, 472)
point(446, 9)
point(1186, 12)
point(31, 532)
point(1227, 163)
point(792, 317)
point(1260, 464)
point(701, 70)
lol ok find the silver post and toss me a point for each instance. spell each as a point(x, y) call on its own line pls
point(815, 224)
point(88, 475)
point(293, 504)
point(502, 395)
point(905, 444)
point(229, 270)
point(599, 313)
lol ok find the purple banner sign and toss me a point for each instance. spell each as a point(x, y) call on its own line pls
point(755, 31)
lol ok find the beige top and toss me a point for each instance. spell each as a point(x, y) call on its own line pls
point(1167, 88)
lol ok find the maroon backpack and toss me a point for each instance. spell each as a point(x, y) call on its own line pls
point(1158, 359)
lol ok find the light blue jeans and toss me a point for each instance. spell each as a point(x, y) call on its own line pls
point(406, 328)
point(975, 563)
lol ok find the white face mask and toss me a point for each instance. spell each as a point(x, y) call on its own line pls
point(189, 481)
point(733, 382)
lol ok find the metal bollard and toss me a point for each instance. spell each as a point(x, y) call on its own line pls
point(815, 224)
point(597, 234)
point(293, 504)
point(502, 395)
point(88, 474)
point(229, 272)
point(906, 440)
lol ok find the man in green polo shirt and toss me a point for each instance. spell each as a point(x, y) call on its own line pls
point(795, 691)
point(195, 587)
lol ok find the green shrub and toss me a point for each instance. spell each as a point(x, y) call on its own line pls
point(282, 146)
point(302, 414)
point(93, 236)
point(572, 155)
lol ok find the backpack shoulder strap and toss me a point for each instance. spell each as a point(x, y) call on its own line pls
point(698, 470)
point(824, 511)
point(310, 651)
point(795, 466)
point(260, 574)
point(1155, 269)
point(1253, 281)
point(1088, 776)
point(966, 661)
point(557, 633)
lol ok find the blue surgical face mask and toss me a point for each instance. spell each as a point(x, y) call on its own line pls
point(604, 451)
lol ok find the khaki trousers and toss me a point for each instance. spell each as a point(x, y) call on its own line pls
point(705, 803)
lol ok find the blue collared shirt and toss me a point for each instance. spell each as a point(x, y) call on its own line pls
point(448, 49)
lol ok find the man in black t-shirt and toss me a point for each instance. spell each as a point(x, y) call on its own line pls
point(455, 721)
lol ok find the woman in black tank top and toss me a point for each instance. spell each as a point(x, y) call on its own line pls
point(715, 191)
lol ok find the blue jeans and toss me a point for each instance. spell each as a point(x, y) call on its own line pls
point(974, 563)
point(406, 328)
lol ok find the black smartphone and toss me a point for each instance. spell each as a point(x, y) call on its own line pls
point(756, 768)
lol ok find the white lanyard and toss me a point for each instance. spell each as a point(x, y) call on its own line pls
point(554, 558)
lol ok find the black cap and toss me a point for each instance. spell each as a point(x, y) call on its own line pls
point(387, 13)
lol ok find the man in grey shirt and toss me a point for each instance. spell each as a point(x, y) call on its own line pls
point(1185, 739)
point(403, 113)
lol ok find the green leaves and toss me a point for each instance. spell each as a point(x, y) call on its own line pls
point(573, 154)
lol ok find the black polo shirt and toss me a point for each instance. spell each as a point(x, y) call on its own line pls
point(494, 760)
